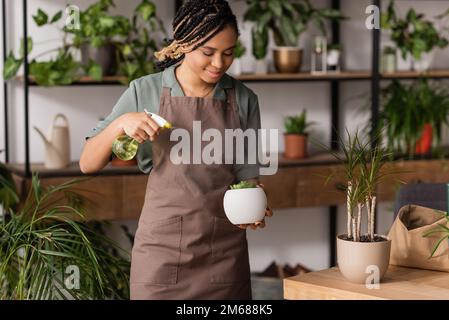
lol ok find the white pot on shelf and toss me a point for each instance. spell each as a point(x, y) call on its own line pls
point(403, 64)
point(243, 206)
point(236, 67)
point(261, 67)
point(424, 63)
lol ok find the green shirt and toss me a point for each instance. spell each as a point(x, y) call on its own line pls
point(145, 92)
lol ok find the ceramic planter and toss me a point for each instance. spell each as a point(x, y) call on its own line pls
point(357, 260)
point(104, 56)
point(261, 67)
point(287, 59)
point(243, 206)
point(424, 63)
point(295, 146)
point(424, 143)
point(388, 62)
point(236, 68)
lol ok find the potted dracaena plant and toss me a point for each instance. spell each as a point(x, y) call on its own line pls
point(48, 252)
point(296, 136)
point(414, 36)
point(359, 253)
point(287, 20)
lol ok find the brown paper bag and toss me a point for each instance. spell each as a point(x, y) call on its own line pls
point(408, 246)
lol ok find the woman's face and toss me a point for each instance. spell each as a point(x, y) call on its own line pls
point(213, 58)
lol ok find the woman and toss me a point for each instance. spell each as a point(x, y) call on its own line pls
point(185, 248)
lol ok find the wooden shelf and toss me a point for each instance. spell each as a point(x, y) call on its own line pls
point(283, 77)
point(73, 169)
point(269, 77)
point(306, 76)
point(441, 74)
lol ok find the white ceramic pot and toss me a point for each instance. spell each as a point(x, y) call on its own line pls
point(363, 262)
point(261, 67)
point(244, 206)
point(424, 63)
point(236, 68)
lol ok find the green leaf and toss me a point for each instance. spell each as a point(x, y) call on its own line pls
point(95, 71)
point(276, 7)
point(146, 9)
point(12, 65)
point(29, 47)
point(56, 17)
point(41, 18)
point(106, 22)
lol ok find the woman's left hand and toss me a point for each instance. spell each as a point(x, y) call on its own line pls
point(258, 224)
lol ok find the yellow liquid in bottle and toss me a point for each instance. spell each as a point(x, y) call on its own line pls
point(125, 147)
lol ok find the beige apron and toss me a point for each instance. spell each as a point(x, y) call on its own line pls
point(185, 247)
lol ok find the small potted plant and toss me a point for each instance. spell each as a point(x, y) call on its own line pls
point(361, 254)
point(388, 64)
point(288, 21)
point(295, 136)
point(414, 36)
point(333, 57)
point(236, 67)
point(245, 203)
point(413, 117)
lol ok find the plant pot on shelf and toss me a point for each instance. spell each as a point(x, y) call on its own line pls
point(295, 146)
point(424, 143)
point(104, 56)
point(261, 66)
point(236, 68)
point(287, 59)
point(388, 62)
point(424, 63)
point(362, 262)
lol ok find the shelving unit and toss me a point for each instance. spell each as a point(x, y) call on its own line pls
point(289, 168)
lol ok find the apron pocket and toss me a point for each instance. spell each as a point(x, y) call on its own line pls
point(155, 259)
point(230, 263)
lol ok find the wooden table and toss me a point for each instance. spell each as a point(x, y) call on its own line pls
point(399, 284)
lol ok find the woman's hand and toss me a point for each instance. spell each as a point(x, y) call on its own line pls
point(139, 126)
point(258, 224)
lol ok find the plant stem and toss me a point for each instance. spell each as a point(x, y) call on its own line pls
point(368, 209)
point(354, 227)
point(348, 208)
point(359, 220)
point(373, 208)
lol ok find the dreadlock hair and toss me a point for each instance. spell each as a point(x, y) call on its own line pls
point(195, 23)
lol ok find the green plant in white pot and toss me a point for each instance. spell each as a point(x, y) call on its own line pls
point(239, 52)
point(414, 36)
point(245, 203)
point(288, 20)
point(359, 254)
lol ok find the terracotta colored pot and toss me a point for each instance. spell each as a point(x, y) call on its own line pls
point(116, 162)
point(361, 262)
point(295, 146)
point(424, 143)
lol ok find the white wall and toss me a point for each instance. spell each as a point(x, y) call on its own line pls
point(291, 236)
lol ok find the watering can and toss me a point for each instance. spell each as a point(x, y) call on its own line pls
point(57, 144)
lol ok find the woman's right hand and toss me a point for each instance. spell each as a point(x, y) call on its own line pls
point(139, 126)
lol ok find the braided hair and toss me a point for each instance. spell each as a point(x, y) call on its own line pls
point(195, 23)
